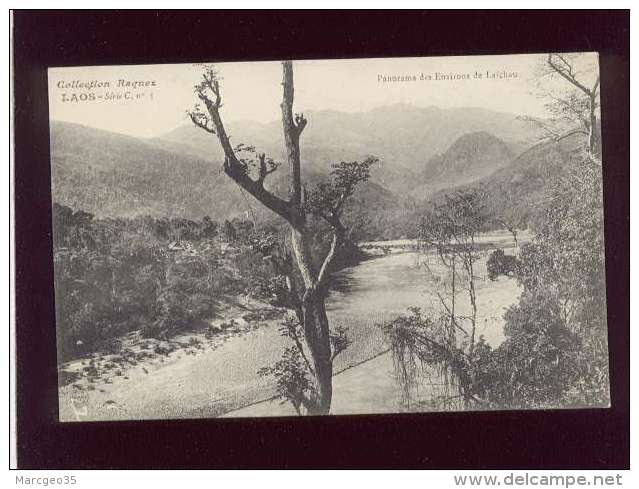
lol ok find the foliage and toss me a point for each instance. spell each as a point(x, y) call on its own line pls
point(556, 349)
point(451, 229)
point(339, 340)
point(574, 108)
point(330, 247)
point(534, 366)
point(292, 378)
point(328, 198)
point(156, 275)
point(444, 343)
point(454, 224)
point(500, 264)
point(420, 344)
point(293, 373)
point(555, 352)
point(251, 161)
point(160, 276)
point(565, 264)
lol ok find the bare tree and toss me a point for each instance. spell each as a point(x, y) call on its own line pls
point(585, 113)
point(574, 110)
point(451, 229)
point(446, 341)
point(327, 202)
point(505, 217)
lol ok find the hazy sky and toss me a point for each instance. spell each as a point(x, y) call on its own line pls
point(252, 90)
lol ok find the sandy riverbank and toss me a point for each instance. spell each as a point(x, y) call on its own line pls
point(151, 379)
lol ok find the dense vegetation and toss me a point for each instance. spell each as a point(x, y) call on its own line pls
point(555, 352)
point(556, 349)
point(158, 276)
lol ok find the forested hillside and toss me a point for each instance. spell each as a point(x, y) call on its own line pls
point(179, 175)
point(471, 157)
point(519, 190)
point(111, 175)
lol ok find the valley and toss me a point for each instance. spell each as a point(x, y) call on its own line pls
point(179, 174)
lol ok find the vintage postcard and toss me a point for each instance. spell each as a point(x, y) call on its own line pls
point(351, 236)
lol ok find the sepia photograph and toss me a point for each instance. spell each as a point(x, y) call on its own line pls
point(328, 237)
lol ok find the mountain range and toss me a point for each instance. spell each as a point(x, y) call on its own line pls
point(402, 136)
point(423, 152)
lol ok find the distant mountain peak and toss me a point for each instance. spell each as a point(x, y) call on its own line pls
point(478, 142)
point(471, 157)
point(478, 136)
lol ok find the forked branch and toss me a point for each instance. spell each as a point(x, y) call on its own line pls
point(564, 68)
point(208, 91)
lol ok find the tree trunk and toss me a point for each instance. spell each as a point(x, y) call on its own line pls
point(310, 310)
point(316, 334)
point(473, 302)
point(315, 322)
point(593, 133)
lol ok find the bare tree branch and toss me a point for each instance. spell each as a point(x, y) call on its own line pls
point(264, 168)
point(201, 121)
point(560, 65)
point(232, 166)
point(566, 71)
point(338, 236)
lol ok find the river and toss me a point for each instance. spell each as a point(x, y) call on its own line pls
point(217, 381)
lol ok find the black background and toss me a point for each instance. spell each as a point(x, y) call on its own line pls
point(550, 439)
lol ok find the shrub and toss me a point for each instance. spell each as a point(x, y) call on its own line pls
point(501, 264)
point(114, 276)
point(535, 366)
